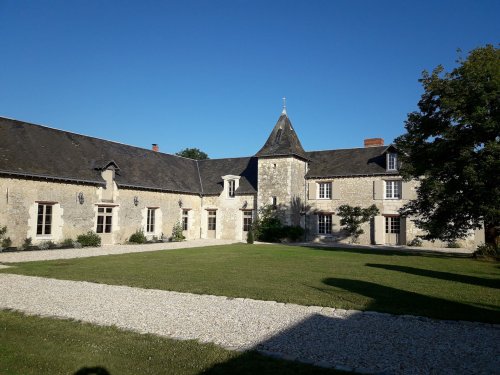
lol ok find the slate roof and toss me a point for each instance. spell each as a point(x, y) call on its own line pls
point(283, 141)
point(212, 170)
point(42, 152)
point(348, 162)
point(39, 151)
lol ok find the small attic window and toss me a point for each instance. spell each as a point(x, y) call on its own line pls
point(278, 135)
point(392, 161)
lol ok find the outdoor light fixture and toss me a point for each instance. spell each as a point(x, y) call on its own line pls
point(245, 204)
point(81, 198)
point(136, 200)
point(180, 203)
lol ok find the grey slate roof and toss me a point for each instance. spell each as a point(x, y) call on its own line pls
point(212, 170)
point(35, 150)
point(348, 162)
point(42, 152)
point(283, 141)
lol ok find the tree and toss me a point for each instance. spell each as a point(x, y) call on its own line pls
point(193, 153)
point(267, 226)
point(351, 219)
point(452, 148)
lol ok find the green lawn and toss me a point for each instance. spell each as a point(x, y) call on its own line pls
point(39, 346)
point(437, 286)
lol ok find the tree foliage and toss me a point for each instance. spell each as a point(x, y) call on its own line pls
point(452, 147)
point(351, 219)
point(193, 153)
point(267, 227)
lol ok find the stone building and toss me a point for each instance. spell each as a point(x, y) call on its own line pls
point(56, 185)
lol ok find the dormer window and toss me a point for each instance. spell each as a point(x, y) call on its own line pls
point(231, 188)
point(231, 184)
point(278, 136)
point(392, 161)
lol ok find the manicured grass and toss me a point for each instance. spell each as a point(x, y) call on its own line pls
point(437, 286)
point(33, 345)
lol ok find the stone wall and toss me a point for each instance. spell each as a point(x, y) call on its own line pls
point(282, 178)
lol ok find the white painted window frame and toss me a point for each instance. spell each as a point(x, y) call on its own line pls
point(325, 190)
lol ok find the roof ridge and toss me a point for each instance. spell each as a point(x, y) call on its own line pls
point(91, 136)
point(349, 148)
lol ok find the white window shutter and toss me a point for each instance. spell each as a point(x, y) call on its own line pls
point(312, 190)
point(335, 190)
point(406, 191)
point(379, 227)
point(378, 189)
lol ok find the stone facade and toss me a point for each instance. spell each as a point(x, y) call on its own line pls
point(214, 199)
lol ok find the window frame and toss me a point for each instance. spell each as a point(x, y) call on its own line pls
point(231, 188)
point(212, 220)
point(247, 220)
point(151, 220)
point(107, 219)
point(325, 224)
point(325, 190)
point(393, 187)
point(394, 224)
point(185, 219)
point(44, 219)
point(392, 161)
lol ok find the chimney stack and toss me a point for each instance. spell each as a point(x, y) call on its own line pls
point(155, 147)
point(374, 142)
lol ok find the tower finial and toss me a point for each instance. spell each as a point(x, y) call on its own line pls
point(284, 106)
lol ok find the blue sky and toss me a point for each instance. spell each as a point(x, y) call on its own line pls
point(211, 74)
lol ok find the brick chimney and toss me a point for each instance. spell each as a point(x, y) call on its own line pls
point(373, 142)
point(155, 147)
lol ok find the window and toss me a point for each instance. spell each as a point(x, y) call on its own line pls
point(278, 136)
point(392, 224)
point(185, 219)
point(104, 219)
point(275, 201)
point(150, 225)
point(325, 190)
point(392, 161)
point(392, 189)
point(324, 224)
point(247, 220)
point(212, 220)
point(231, 188)
point(44, 220)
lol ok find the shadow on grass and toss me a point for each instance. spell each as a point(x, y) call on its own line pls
point(252, 362)
point(396, 301)
point(473, 280)
point(92, 371)
point(385, 251)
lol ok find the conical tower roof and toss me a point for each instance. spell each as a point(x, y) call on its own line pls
point(283, 140)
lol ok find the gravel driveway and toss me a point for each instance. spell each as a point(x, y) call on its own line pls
point(349, 340)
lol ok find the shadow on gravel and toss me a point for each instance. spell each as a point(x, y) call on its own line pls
point(489, 283)
point(370, 343)
point(387, 299)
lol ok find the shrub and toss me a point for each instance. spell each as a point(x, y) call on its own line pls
point(67, 243)
point(416, 242)
point(89, 239)
point(351, 219)
point(453, 245)
point(44, 245)
point(250, 237)
point(27, 243)
point(267, 227)
point(177, 235)
point(6, 242)
point(138, 237)
point(488, 250)
point(293, 233)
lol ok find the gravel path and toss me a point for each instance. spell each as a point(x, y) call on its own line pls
point(29, 256)
point(349, 340)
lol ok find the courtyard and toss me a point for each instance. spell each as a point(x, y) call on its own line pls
point(339, 309)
